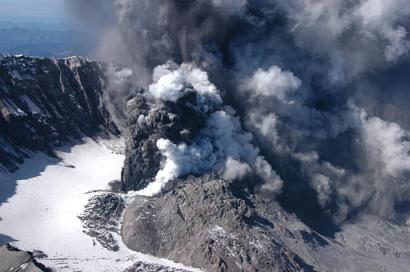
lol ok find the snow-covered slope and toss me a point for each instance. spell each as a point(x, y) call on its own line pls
point(43, 212)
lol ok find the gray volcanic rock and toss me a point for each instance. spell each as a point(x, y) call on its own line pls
point(203, 224)
point(101, 218)
point(177, 121)
point(14, 260)
point(216, 225)
point(147, 267)
point(45, 102)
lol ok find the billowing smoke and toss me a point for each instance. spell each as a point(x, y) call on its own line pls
point(355, 36)
point(119, 83)
point(169, 81)
point(319, 90)
point(222, 147)
point(272, 83)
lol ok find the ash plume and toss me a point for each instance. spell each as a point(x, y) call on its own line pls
point(319, 87)
point(221, 147)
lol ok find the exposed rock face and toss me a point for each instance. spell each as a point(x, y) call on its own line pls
point(215, 225)
point(101, 218)
point(205, 225)
point(146, 267)
point(177, 121)
point(14, 260)
point(45, 102)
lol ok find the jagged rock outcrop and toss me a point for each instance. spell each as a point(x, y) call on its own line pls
point(45, 102)
point(101, 218)
point(15, 260)
point(204, 224)
point(147, 267)
point(177, 121)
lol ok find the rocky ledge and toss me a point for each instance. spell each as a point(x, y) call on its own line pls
point(15, 260)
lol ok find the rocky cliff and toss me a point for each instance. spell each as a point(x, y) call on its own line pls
point(15, 260)
point(174, 120)
point(46, 102)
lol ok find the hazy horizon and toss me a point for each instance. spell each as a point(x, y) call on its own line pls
point(39, 28)
point(34, 11)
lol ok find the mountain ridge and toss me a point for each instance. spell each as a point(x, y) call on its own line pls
point(46, 102)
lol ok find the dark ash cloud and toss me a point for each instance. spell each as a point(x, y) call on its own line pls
point(307, 78)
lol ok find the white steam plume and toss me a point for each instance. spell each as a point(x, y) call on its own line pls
point(169, 82)
point(222, 147)
point(272, 82)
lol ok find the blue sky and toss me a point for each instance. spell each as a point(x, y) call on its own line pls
point(32, 10)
